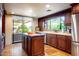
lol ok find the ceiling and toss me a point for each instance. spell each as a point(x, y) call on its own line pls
point(37, 9)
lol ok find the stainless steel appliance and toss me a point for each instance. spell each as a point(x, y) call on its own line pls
point(75, 34)
point(0, 34)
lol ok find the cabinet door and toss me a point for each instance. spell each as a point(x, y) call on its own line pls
point(68, 44)
point(53, 40)
point(40, 24)
point(38, 46)
point(61, 42)
point(75, 8)
point(48, 40)
point(68, 19)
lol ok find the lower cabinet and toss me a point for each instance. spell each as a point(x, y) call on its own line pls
point(61, 42)
point(51, 40)
point(54, 41)
point(48, 39)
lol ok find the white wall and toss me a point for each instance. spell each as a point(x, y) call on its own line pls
point(35, 23)
point(8, 29)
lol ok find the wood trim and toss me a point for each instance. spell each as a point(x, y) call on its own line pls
point(73, 4)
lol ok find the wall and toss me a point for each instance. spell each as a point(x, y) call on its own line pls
point(35, 23)
point(8, 29)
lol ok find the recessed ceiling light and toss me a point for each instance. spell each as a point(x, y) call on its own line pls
point(12, 12)
point(47, 6)
point(30, 11)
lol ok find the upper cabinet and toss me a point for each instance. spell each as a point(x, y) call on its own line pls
point(68, 19)
point(75, 8)
point(40, 24)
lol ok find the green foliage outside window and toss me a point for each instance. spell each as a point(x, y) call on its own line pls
point(63, 26)
point(56, 24)
point(23, 28)
point(49, 24)
point(21, 24)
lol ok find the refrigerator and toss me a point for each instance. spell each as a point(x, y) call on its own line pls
point(75, 34)
point(0, 34)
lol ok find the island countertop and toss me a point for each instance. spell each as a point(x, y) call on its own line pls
point(34, 35)
point(57, 33)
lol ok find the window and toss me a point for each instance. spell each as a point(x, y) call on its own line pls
point(45, 25)
point(56, 23)
point(29, 26)
point(28, 22)
point(63, 27)
point(49, 25)
point(22, 24)
point(17, 22)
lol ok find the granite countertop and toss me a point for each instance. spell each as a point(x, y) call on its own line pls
point(57, 33)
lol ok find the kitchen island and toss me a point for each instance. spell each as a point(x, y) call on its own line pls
point(33, 44)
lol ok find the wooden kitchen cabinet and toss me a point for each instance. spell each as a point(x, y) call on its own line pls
point(54, 40)
point(51, 40)
point(68, 44)
point(61, 42)
point(40, 24)
point(33, 45)
point(48, 39)
point(75, 8)
point(38, 46)
point(68, 19)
